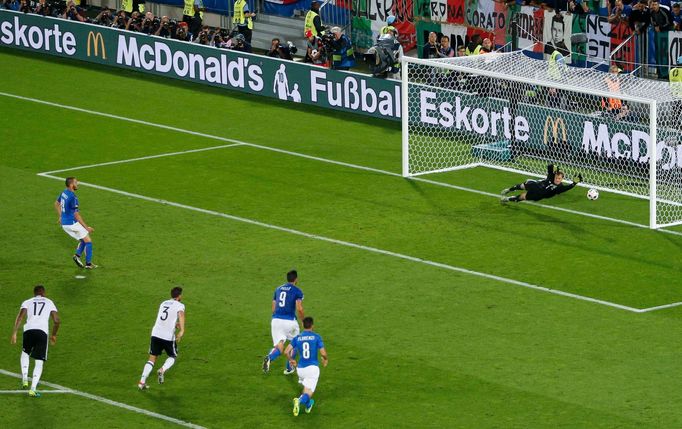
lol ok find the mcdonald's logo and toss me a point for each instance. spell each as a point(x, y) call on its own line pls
point(553, 126)
point(97, 41)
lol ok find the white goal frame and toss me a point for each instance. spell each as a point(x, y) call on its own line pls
point(408, 62)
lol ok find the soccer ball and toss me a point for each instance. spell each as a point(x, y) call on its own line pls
point(592, 194)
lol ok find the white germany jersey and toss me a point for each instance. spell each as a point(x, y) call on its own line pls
point(38, 311)
point(166, 319)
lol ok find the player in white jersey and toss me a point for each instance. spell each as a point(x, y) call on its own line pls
point(171, 316)
point(38, 310)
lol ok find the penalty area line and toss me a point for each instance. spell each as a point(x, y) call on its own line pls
point(311, 157)
point(103, 400)
point(356, 246)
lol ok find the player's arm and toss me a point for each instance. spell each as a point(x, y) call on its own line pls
point(55, 326)
point(17, 323)
point(273, 306)
point(323, 354)
point(289, 353)
point(80, 220)
point(58, 208)
point(299, 309)
point(551, 169)
point(181, 326)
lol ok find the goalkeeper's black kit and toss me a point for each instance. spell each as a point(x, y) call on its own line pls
point(537, 190)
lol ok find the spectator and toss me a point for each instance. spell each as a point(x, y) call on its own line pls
point(315, 50)
point(181, 32)
point(313, 22)
point(72, 12)
point(240, 44)
point(42, 8)
point(486, 46)
point(445, 50)
point(612, 106)
point(677, 17)
point(461, 51)
point(430, 49)
point(135, 22)
point(150, 24)
point(579, 7)
point(104, 17)
point(389, 27)
point(242, 17)
point(661, 21)
point(165, 28)
point(620, 13)
point(639, 17)
point(120, 21)
point(343, 57)
point(24, 7)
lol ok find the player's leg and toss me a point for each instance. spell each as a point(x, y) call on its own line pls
point(79, 251)
point(39, 355)
point(172, 352)
point(155, 349)
point(518, 187)
point(26, 349)
point(308, 377)
point(517, 198)
point(295, 330)
point(279, 336)
point(88, 253)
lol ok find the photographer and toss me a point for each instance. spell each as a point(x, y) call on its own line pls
point(104, 17)
point(120, 21)
point(24, 7)
point(285, 52)
point(315, 52)
point(220, 39)
point(135, 22)
point(181, 32)
point(240, 44)
point(72, 12)
point(204, 36)
point(343, 57)
point(150, 24)
point(165, 28)
point(42, 8)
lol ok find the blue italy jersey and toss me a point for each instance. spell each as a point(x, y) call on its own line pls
point(69, 204)
point(307, 344)
point(285, 298)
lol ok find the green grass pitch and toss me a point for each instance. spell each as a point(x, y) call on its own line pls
point(411, 344)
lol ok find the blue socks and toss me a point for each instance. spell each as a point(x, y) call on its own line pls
point(80, 248)
point(88, 252)
point(274, 354)
point(304, 399)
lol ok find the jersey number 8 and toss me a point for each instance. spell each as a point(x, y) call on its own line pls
point(306, 351)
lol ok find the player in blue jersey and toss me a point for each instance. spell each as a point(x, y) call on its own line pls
point(286, 302)
point(307, 344)
point(73, 224)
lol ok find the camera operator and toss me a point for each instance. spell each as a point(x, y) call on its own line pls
point(240, 44)
point(24, 7)
point(135, 22)
point(72, 12)
point(120, 20)
point(149, 24)
point(343, 57)
point(104, 17)
point(204, 36)
point(315, 53)
point(42, 8)
point(181, 32)
point(285, 52)
point(166, 28)
point(220, 39)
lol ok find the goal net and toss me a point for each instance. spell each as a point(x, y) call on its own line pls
point(512, 112)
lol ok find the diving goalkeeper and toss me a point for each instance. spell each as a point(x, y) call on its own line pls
point(536, 190)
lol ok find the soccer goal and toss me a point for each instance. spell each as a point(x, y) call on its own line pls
point(515, 113)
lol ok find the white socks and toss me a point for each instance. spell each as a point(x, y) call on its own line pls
point(166, 365)
point(37, 372)
point(146, 371)
point(24, 367)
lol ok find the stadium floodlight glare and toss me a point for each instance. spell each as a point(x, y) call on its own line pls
point(512, 112)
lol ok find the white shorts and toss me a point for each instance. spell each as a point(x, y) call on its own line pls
point(283, 330)
point(76, 231)
point(308, 376)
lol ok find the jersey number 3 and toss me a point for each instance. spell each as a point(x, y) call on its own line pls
point(164, 313)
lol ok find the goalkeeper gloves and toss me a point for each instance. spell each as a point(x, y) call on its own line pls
point(578, 179)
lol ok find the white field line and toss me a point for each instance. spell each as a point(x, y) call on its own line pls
point(25, 392)
point(315, 158)
point(108, 402)
point(660, 307)
point(142, 158)
point(356, 246)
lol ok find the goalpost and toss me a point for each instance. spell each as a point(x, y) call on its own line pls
point(511, 112)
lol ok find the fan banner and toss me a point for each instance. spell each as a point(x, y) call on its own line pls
point(531, 27)
point(557, 32)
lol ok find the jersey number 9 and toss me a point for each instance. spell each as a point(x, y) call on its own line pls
point(282, 299)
